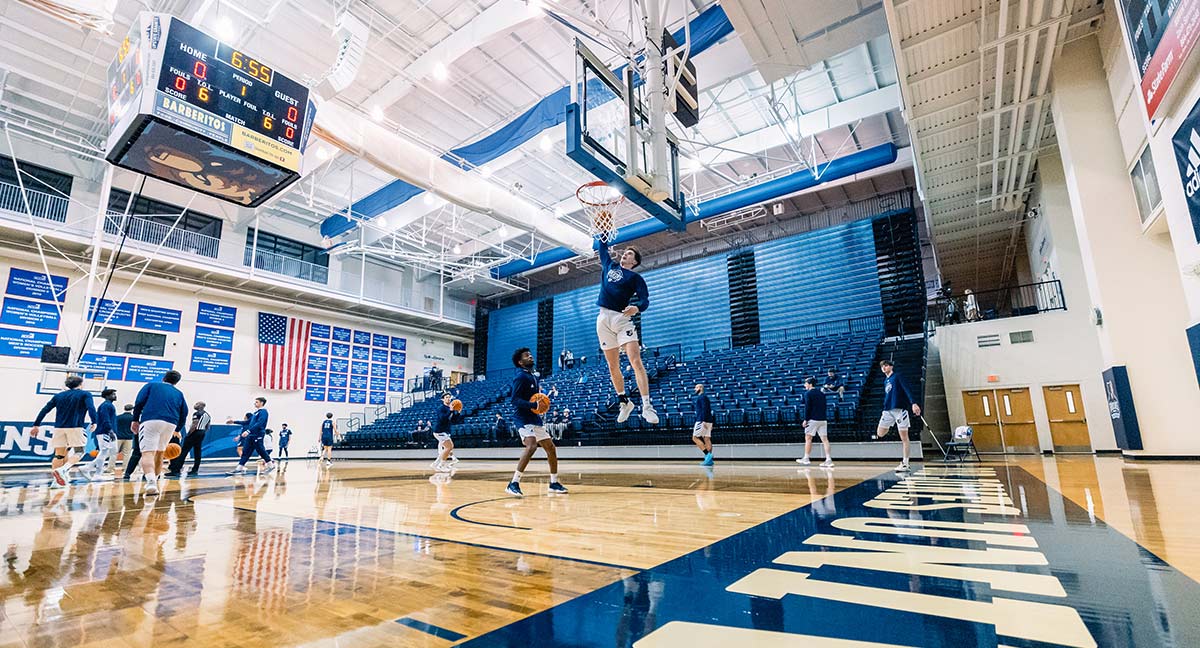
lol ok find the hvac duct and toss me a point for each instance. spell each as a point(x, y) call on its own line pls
point(799, 181)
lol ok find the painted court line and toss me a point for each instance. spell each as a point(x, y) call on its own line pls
point(439, 632)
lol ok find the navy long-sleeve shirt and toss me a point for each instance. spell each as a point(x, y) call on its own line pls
point(524, 386)
point(106, 423)
point(69, 407)
point(446, 417)
point(257, 425)
point(814, 405)
point(618, 286)
point(123, 426)
point(703, 407)
point(161, 402)
point(895, 394)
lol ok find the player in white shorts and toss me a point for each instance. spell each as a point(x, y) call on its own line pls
point(70, 407)
point(529, 420)
point(896, 402)
point(615, 327)
point(816, 422)
point(702, 430)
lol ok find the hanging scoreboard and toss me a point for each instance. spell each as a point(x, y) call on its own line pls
point(196, 112)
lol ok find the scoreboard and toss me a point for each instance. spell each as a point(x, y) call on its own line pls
point(196, 112)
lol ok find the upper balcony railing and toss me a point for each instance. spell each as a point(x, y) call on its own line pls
point(1015, 301)
point(158, 233)
point(41, 204)
point(287, 266)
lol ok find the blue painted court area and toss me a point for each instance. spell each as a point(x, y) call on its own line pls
point(950, 557)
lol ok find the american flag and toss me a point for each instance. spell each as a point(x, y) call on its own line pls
point(282, 351)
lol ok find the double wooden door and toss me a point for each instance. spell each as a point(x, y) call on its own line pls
point(1002, 419)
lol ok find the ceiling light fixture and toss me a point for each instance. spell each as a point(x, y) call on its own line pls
point(440, 73)
point(377, 113)
point(225, 30)
point(503, 232)
point(485, 171)
point(458, 249)
point(546, 143)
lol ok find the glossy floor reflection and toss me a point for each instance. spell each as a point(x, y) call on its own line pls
point(381, 553)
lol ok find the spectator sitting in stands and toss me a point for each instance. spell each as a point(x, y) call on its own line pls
point(565, 423)
point(500, 429)
point(570, 361)
point(553, 392)
point(833, 383)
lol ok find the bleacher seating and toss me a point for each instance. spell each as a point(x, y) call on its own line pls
point(757, 393)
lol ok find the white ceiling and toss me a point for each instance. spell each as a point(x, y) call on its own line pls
point(772, 99)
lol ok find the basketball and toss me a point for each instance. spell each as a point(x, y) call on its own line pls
point(172, 451)
point(93, 453)
point(543, 403)
point(456, 405)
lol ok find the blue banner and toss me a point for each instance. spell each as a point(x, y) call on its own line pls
point(362, 337)
point(146, 369)
point(341, 334)
point(360, 368)
point(378, 398)
point(399, 343)
point(316, 379)
point(33, 285)
point(113, 364)
point(379, 355)
point(153, 318)
point(111, 313)
point(361, 353)
point(314, 394)
point(213, 338)
point(18, 312)
point(380, 340)
point(358, 397)
point(339, 365)
point(339, 380)
point(320, 331)
point(378, 384)
point(319, 347)
point(24, 344)
point(396, 371)
point(358, 382)
point(379, 370)
point(216, 315)
point(318, 363)
point(213, 362)
point(339, 350)
point(336, 396)
point(396, 385)
point(398, 358)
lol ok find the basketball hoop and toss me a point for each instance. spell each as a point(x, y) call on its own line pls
point(600, 202)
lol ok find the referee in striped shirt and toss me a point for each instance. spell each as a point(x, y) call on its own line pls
point(192, 442)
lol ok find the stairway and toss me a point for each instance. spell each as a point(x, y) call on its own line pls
point(907, 355)
point(935, 408)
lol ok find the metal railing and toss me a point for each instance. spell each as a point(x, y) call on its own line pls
point(156, 233)
point(1015, 301)
point(41, 204)
point(287, 266)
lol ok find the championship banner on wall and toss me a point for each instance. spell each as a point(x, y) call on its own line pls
point(1161, 35)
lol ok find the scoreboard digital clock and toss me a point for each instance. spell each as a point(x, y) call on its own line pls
point(199, 113)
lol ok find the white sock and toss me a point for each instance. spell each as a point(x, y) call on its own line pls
point(517, 476)
point(645, 401)
point(553, 478)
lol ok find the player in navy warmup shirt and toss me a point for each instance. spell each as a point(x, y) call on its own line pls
point(159, 414)
point(529, 423)
point(441, 431)
point(897, 400)
point(70, 406)
point(105, 434)
point(815, 422)
point(252, 438)
point(619, 284)
point(328, 438)
point(702, 430)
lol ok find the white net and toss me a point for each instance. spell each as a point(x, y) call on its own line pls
point(601, 202)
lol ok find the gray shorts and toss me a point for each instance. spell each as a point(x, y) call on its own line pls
point(897, 417)
point(815, 428)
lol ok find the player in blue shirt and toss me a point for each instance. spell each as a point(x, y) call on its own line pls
point(529, 423)
point(897, 400)
point(329, 434)
point(252, 438)
point(615, 328)
point(70, 406)
point(105, 434)
point(441, 431)
point(159, 414)
point(285, 437)
point(816, 422)
point(702, 430)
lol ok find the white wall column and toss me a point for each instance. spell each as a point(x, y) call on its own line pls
point(1133, 279)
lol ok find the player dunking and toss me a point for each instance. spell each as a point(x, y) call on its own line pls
point(614, 325)
point(532, 433)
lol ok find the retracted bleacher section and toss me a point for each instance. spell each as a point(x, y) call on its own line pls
point(751, 325)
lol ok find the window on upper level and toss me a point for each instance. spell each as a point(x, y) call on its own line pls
point(1145, 184)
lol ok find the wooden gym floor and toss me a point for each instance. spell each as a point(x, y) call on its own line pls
point(639, 553)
